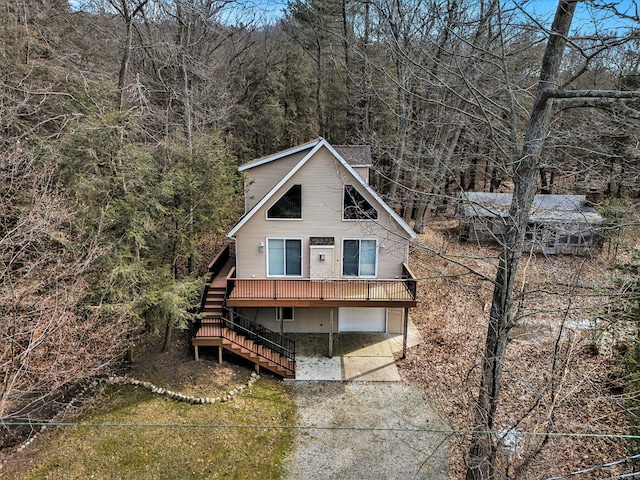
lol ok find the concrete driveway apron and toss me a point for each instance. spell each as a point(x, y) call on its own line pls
point(357, 357)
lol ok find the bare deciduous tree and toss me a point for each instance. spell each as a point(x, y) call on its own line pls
point(502, 316)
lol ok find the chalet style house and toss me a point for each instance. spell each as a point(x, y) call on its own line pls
point(316, 251)
point(566, 224)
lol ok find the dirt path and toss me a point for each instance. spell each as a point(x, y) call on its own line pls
point(361, 432)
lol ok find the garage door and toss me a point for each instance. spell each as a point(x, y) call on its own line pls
point(354, 319)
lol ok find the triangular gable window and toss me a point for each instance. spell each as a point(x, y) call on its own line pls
point(289, 206)
point(356, 207)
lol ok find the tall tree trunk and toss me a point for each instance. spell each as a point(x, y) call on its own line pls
point(167, 335)
point(366, 81)
point(482, 452)
point(127, 15)
point(319, 105)
point(124, 65)
point(546, 181)
point(346, 38)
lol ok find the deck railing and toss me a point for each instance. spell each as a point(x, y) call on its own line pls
point(213, 269)
point(259, 335)
point(410, 280)
point(326, 289)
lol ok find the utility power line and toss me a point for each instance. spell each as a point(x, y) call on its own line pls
point(36, 423)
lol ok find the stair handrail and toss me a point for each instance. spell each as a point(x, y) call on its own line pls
point(275, 341)
point(218, 262)
point(283, 361)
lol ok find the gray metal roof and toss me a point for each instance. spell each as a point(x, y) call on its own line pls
point(545, 209)
point(355, 155)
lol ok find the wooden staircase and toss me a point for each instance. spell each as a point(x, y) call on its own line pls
point(214, 302)
point(220, 335)
point(227, 330)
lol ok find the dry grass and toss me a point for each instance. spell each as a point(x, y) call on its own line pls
point(567, 395)
point(149, 451)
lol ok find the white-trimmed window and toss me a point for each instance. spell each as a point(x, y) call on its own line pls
point(284, 314)
point(359, 257)
point(288, 206)
point(355, 206)
point(284, 257)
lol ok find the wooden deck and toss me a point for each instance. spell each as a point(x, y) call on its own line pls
point(269, 349)
point(216, 335)
point(319, 293)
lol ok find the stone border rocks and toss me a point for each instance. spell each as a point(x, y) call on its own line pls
point(179, 397)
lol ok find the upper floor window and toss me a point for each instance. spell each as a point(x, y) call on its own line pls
point(355, 206)
point(288, 206)
point(359, 257)
point(284, 257)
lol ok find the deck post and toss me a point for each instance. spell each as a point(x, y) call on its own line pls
point(331, 332)
point(258, 368)
point(196, 351)
point(220, 354)
point(404, 333)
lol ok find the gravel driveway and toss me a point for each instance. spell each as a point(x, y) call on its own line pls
point(358, 433)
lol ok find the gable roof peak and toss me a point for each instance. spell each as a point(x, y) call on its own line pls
point(279, 155)
point(313, 147)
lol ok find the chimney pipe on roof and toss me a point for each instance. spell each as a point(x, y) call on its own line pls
point(592, 197)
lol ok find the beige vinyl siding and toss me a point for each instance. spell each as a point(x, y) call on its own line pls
point(395, 320)
point(305, 319)
point(313, 320)
point(363, 171)
point(322, 179)
point(261, 179)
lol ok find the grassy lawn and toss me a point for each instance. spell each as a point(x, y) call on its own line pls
point(158, 452)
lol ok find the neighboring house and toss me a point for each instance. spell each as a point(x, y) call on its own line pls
point(558, 223)
point(316, 251)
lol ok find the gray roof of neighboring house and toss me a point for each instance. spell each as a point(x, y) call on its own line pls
point(355, 155)
point(545, 208)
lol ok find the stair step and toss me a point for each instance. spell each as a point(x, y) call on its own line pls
point(258, 354)
point(261, 360)
point(212, 309)
point(210, 320)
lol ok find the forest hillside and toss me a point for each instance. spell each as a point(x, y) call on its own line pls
point(124, 121)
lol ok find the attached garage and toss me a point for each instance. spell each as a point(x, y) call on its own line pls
point(358, 319)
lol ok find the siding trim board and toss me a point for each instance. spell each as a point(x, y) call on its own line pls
point(277, 156)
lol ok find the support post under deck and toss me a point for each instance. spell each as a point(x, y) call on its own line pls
point(331, 333)
point(404, 333)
